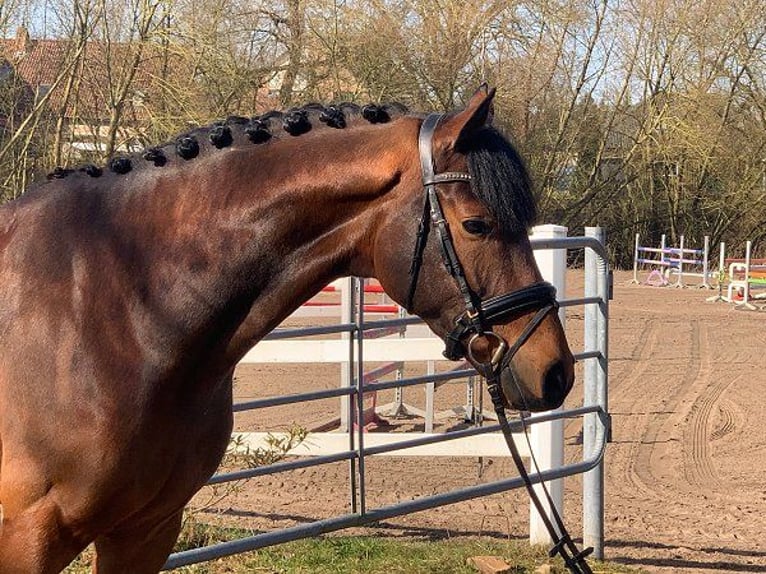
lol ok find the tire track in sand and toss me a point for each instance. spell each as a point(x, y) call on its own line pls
point(727, 425)
point(699, 432)
point(656, 409)
point(649, 466)
point(631, 415)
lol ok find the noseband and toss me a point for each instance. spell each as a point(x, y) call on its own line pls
point(479, 316)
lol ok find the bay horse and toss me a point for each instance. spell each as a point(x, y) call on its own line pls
point(128, 294)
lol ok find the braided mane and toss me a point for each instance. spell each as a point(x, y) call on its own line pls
point(240, 131)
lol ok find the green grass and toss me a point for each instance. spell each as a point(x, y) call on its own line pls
point(367, 555)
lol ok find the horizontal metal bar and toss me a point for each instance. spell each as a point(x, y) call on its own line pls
point(588, 355)
point(571, 243)
point(290, 399)
point(515, 424)
point(345, 391)
point(382, 323)
point(281, 467)
point(547, 416)
point(581, 301)
point(441, 437)
point(436, 377)
point(370, 387)
point(289, 333)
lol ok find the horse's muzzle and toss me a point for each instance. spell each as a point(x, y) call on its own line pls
point(548, 393)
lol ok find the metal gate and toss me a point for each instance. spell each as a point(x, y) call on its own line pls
point(594, 411)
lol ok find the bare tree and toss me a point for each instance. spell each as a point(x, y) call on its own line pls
point(124, 34)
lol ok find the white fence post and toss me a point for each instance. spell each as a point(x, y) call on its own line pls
point(548, 438)
point(347, 315)
point(706, 264)
point(682, 248)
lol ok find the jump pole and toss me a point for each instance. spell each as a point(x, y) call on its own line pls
point(680, 281)
point(721, 274)
point(635, 261)
point(746, 296)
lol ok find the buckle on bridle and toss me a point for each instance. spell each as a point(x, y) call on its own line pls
point(497, 354)
point(471, 314)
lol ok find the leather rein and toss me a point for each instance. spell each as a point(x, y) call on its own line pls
point(476, 323)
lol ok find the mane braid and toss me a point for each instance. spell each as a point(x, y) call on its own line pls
point(156, 156)
point(187, 147)
point(91, 170)
point(296, 122)
point(220, 136)
point(501, 181)
point(120, 164)
point(59, 173)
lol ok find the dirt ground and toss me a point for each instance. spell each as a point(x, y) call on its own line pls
point(685, 472)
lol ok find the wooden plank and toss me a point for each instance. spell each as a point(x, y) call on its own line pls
point(336, 350)
point(324, 443)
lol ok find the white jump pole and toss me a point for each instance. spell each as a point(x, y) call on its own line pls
point(635, 262)
point(721, 275)
point(547, 439)
point(721, 262)
point(746, 297)
point(680, 280)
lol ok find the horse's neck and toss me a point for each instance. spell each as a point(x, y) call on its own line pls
point(264, 232)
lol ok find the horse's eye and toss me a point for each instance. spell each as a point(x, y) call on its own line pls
point(477, 227)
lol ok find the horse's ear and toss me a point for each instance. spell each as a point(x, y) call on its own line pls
point(478, 113)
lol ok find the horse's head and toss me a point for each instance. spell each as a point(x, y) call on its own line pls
point(473, 278)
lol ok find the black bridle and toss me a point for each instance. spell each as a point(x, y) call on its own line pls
point(476, 323)
point(479, 316)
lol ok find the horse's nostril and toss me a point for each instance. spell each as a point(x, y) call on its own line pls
point(556, 384)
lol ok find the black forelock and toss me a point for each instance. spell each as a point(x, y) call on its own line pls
point(499, 178)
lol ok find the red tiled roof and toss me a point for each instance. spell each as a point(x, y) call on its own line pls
point(38, 63)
